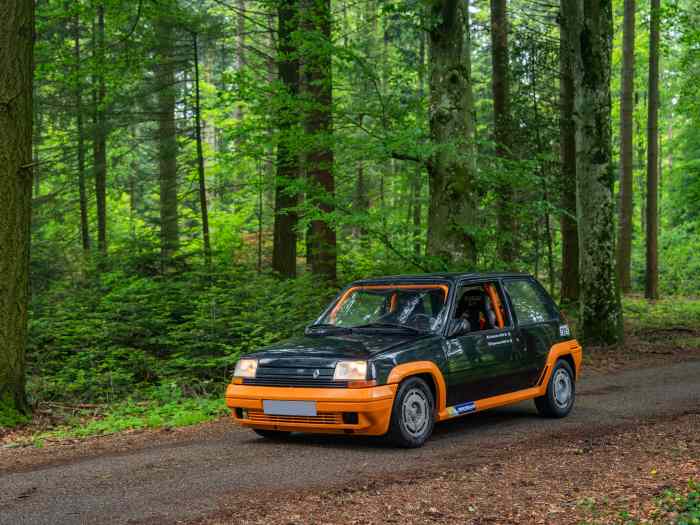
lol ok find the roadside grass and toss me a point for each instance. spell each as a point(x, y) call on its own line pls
point(60, 422)
point(665, 314)
point(656, 332)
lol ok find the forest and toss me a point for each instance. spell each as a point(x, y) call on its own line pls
point(184, 181)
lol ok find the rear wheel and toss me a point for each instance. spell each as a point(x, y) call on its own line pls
point(561, 392)
point(271, 434)
point(413, 414)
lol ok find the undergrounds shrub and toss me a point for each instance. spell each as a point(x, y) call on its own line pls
point(109, 339)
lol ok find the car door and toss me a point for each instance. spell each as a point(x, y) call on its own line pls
point(481, 362)
point(537, 327)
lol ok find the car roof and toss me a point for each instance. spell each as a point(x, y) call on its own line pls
point(443, 276)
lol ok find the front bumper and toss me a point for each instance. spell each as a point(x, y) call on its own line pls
point(364, 411)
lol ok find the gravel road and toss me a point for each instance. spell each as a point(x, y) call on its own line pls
point(183, 481)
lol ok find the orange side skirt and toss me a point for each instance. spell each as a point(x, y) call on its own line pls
point(572, 348)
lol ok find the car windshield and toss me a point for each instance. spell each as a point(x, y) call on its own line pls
point(417, 308)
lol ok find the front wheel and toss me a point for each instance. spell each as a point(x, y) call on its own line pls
point(559, 398)
point(413, 414)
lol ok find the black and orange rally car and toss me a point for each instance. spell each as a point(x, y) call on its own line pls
point(394, 355)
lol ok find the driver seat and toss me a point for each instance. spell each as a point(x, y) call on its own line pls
point(475, 306)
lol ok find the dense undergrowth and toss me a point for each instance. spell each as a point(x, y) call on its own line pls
point(122, 335)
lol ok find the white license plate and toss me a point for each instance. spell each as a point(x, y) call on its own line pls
point(289, 408)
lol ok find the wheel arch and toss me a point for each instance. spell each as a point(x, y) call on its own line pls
point(426, 370)
point(569, 351)
point(569, 359)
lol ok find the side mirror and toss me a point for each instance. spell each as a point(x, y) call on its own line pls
point(458, 327)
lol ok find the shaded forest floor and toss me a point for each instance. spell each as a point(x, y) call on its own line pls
point(660, 333)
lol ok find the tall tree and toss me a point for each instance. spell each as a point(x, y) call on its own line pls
point(500, 88)
point(17, 66)
point(284, 249)
point(203, 203)
point(652, 267)
point(567, 155)
point(452, 212)
point(318, 86)
point(240, 46)
point(417, 176)
point(99, 148)
point(167, 138)
point(600, 311)
point(80, 132)
point(624, 245)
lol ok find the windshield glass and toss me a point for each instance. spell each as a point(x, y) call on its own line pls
point(416, 308)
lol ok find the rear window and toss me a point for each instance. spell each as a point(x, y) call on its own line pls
point(530, 303)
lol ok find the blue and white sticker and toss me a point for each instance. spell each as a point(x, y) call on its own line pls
point(564, 330)
point(464, 408)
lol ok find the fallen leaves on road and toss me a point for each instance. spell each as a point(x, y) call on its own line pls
point(613, 478)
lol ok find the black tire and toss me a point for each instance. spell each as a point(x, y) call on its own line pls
point(414, 398)
point(271, 434)
point(561, 392)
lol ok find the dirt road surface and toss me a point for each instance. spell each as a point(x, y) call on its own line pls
point(192, 477)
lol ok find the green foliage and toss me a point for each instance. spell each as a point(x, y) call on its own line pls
point(685, 507)
point(9, 416)
point(664, 314)
point(99, 340)
point(166, 407)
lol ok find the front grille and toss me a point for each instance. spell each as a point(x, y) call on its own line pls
point(330, 418)
point(310, 383)
point(298, 377)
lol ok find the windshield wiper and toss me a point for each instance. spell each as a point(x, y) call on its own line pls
point(391, 325)
point(326, 326)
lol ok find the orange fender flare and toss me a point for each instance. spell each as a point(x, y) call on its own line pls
point(401, 372)
point(559, 350)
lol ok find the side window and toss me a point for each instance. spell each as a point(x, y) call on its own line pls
point(481, 305)
point(528, 301)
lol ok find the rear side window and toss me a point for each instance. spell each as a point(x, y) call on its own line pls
point(529, 302)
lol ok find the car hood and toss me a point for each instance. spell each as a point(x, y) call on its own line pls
point(336, 346)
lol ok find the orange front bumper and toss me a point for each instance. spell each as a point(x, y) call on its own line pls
point(365, 411)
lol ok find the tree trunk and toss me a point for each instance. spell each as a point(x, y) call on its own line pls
point(500, 87)
point(203, 206)
point(100, 133)
point(319, 129)
point(624, 247)
point(17, 66)
point(542, 167)
point(36, 142)
point(167, 141)
point(417, 182)
point(567, 150)
point(284, 249)
point(368, 43)
point(652, 269)
point(361, 197)
point(84, 225)
point(601, 313)
point(452, 212)
point(240, 45)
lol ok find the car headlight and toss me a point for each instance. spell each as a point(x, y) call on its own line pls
point(350, 371)
point(246, 368)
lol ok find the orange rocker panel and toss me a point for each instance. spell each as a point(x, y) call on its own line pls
point(371, 404)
